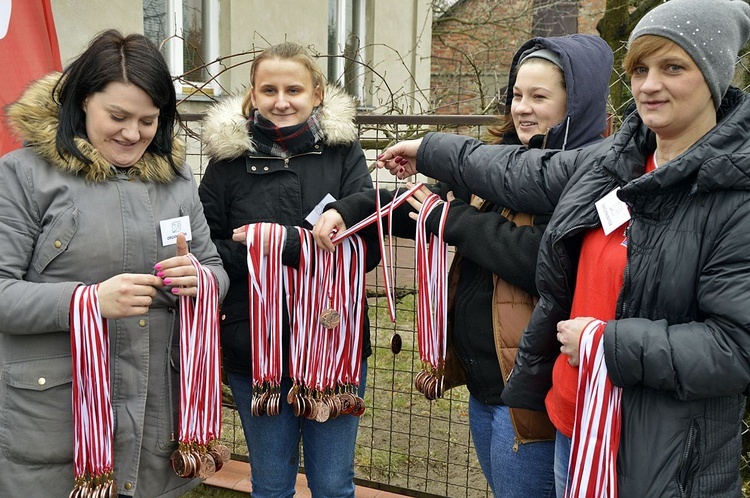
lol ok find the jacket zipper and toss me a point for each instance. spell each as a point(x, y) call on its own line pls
point(287, 159)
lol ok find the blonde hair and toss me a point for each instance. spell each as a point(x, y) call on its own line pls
point(285, 51)
point(642, 47)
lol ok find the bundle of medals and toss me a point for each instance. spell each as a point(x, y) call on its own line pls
point(266, 315)
point(431, 254)
point(92, 405)
point(325, 298)
point(199, 453)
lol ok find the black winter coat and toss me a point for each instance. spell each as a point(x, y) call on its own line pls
point(680, 341)
point(242, 186)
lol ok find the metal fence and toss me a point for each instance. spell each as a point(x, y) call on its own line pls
point(406, 444)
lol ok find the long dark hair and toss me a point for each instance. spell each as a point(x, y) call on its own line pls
point(112, 57)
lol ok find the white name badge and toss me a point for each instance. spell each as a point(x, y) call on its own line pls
point(5, 9)
point(612, 211)
point(314, 215)
point(172, 227)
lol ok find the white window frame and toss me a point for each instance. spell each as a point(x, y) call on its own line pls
point(337, 65)
point(174, 47)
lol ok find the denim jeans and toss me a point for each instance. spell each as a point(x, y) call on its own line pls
point(526, 473)
point(562, 461)
point(273, 446)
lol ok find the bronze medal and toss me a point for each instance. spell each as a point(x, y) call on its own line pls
point(359, 406)
point(178, 463)
point(313, 410)
point(223, 452)
point(330, 318)
point(113, 488)
point(441, 386)
point(208, 466)
point(195, 464)
point(292, 395)
point(216, 457)
point(299, 406)
point(419, 380)
point(324, 411)
point(396, 343)
point(335, 406)
point(347, 403)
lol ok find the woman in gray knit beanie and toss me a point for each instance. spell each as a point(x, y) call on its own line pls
point(644, 270)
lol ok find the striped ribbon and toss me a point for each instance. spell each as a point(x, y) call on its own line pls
point(431, 263)
point(596, 431)
point(92, 405)
point(200, 376)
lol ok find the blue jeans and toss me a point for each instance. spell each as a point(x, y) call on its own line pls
point(562, 461)
point(273, 446)
point(525, 473)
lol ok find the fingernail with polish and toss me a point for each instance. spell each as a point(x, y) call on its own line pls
point(379, 157)
point(157, 266)
point(175, 290)
point(160, 274)
point(167, 281)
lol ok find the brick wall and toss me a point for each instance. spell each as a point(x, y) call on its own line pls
point(472, 47)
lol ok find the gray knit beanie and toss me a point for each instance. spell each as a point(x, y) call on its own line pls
point(542, 53)
point(712, 32)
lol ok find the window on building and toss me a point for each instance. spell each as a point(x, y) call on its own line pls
point(555, 17)
point(346, 41)
point(188, 33)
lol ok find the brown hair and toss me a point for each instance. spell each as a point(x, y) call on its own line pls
point(285, 51)
point(642, 47)
point(505, 123)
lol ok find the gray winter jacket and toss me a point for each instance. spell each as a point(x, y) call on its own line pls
point(679, 344)
point(58, 230)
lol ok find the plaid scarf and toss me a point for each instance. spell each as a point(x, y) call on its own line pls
point(283, 142)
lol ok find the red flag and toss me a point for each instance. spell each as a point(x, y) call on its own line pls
point(28, 50)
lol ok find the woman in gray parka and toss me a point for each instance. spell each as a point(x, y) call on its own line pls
point(81, 204)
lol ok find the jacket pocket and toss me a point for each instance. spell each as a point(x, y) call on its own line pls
point(169, 411)
point(690, 462)
point(37, 414)
point(55, 238)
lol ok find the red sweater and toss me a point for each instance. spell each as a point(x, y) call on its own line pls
point(601, 270)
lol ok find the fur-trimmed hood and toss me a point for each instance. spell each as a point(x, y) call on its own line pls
point(225, 134)
point(34, 118)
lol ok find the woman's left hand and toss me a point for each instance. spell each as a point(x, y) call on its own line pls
point(178, 272)
point(417, 199)
point(569, 334)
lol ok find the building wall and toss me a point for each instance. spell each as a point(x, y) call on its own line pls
point(77, 22)
point(397, 47)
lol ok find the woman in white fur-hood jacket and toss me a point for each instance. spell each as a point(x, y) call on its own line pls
point(289, 146)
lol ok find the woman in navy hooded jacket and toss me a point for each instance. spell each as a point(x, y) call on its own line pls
point(557, 95)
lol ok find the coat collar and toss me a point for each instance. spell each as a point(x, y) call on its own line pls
point(718, 161)
point(34, 118)
point(225, 135)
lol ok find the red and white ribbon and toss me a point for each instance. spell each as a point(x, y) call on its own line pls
point(379, 213)
point(200, 377)
point(321, 358)
point(92, 406)
point(596, 432)
point(431, 255)
point(266, 301)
